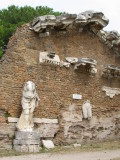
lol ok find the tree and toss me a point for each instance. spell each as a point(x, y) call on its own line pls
point(15, 16)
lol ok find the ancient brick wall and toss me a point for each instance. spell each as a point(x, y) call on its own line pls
point(56, 85)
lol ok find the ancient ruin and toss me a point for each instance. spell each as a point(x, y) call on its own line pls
point(70, 59)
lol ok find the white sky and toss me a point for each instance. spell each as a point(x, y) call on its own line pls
point(111, 8)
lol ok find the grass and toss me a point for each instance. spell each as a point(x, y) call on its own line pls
point(111, 145)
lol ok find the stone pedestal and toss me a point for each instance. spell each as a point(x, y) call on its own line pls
point(27, 141)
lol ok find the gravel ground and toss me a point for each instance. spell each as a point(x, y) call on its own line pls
point(98, 155)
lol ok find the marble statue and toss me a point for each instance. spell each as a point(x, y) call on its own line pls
point(29, 101)
point(87, 110)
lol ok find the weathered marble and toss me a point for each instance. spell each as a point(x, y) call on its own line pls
point(45, 121)
point(49, 57)
point(94, 21)
point(111, 71)
point(29, 101)
point(97, 18)
point(111, 39)
point(87, 109)
point(27, 141)
point(35, 120)
point(89, 64)
point(65, 64)
point(41, 24)
point(48, 144)
point(111, 92)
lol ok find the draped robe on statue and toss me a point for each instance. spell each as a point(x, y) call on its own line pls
point(29, 101)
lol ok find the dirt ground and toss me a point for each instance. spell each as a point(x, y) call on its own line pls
point(94, 155)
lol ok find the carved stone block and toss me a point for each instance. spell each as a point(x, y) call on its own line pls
point(46, 57)
point(27, 141)
point(27, 135)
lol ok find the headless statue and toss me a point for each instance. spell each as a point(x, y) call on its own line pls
point(29, 101)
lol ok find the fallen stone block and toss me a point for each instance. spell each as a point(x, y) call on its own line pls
point(76, 145)
point(48, 144)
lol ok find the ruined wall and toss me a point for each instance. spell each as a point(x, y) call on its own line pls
point(56, 85)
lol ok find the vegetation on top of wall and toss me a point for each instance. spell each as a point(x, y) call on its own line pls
point(14, 17)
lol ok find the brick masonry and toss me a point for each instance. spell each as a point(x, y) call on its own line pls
point(56, 85)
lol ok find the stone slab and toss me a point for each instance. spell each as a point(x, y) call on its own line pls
point(36, 120)
point(77, 96)
point(26, 141)
point(27, 135)
point(12, 120)
point(45, 120)
point(76, 145)
point(48, 144)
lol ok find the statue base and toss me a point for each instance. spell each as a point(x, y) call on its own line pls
point(27, 141)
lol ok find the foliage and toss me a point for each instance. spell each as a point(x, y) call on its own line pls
point(14, 17)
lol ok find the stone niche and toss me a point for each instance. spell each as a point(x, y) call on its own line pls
point(111, 71)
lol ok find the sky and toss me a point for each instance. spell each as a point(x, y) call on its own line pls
point(111, 8)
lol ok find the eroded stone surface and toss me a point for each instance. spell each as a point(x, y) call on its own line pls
point(87, 109)
point(89, 64)
point(29, 101)
point(97, 18)
point(111, 92)
point(45, 121)
point(49, 57)
point(111, 71)
point(35, 120)
point(27, 141)
point(48, 130)
point(61, 22)
point(111, 39)
point(86, 131)
point(27, 135)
